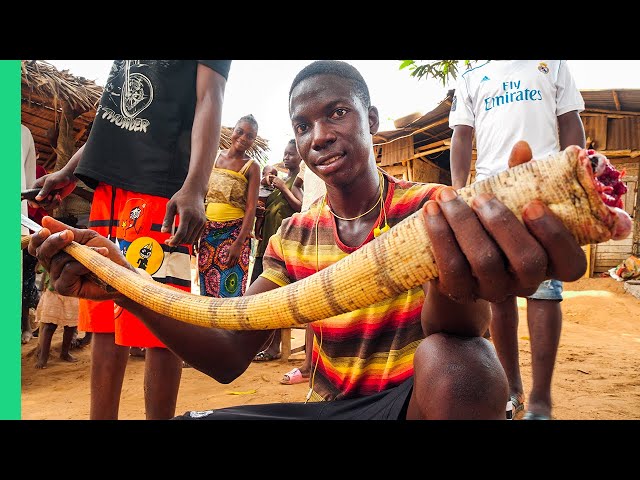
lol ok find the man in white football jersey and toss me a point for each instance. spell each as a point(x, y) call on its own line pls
point(503, 102)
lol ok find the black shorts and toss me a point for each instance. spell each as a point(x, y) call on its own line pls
point(388, 405)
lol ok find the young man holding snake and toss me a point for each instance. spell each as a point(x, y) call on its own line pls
point(418, 355)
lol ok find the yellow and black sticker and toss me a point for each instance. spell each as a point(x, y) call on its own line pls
point(145, 253)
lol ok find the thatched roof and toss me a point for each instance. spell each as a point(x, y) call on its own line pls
point(44, 88)
point(46, 85)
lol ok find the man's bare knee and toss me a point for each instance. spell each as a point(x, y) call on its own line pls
point(456, 378)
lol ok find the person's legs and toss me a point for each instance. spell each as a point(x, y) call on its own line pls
point(504, 334)
point(457, 378)
point(108, 365)
point(544, 318)
point(303, 373)
point(81, 342)
point(67, 338)
point(272, 352)
point(142, 244)
point(162, 373)
point(108, 360)
point(25, 324)
point(44, 343)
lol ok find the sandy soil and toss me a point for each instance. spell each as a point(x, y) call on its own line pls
point(596, 375)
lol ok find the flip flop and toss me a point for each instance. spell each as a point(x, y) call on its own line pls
point(515, 407)
point(535, 416)
point(292, 377)
point(263, 356)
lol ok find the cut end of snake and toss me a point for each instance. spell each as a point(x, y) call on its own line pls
point(603, 183)
point(578, 185)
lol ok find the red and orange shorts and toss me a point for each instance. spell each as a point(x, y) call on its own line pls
point(134, 220)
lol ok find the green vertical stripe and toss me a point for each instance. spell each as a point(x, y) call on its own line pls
point(11, 265)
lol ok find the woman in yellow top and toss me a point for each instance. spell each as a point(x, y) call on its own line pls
point(230, 206)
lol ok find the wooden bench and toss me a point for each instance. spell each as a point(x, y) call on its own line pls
point(286, 343)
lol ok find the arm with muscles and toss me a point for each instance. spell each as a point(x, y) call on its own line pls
point(290, 197)
point(461, 146)
point(221, 354)
point(188, 202)
point(485, 254)
point(56, 186)
point(571, 130)
point(253, 176)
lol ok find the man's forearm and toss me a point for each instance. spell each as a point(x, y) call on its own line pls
point(444, 315)
point(221, 354)
point(293, 201)
point(73, 162)
point(459, 177)
point(205, 135)
point(461, 147)
point(571, 130)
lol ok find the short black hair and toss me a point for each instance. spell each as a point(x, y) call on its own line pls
point(340, 69)
point(249, 119)
point(292, 141)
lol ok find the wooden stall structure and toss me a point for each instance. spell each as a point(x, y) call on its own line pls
point(419, 150)
point(612, 126)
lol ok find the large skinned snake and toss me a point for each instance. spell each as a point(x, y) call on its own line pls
point(397, 261)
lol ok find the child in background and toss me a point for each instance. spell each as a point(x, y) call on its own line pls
point(266, 188)
point(54, 310)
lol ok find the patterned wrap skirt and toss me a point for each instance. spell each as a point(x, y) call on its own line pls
point(217, 279)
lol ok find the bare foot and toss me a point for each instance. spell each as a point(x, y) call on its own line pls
point(41, 364)
point(26, 337)
point(67, 357)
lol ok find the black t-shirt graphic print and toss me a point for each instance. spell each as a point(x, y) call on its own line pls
point(141, 135)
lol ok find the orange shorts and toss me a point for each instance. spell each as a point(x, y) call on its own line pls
point(134, 219)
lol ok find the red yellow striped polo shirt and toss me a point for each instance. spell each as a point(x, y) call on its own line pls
point(368, 350)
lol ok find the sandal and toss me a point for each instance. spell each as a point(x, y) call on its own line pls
point(264, 356)
point(515, 407)
point(292, 377)
point(535, 416)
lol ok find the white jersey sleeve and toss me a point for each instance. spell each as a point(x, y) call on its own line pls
point(461, 106)
point(568, 97)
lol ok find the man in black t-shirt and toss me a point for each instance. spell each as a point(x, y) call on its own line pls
point(148, 157)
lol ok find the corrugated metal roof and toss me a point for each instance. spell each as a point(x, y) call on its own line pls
point(433, 120)
point(623, 100)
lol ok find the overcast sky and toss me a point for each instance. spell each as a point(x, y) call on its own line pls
point(261, 87)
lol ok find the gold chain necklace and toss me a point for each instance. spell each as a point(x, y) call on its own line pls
point(365, 213)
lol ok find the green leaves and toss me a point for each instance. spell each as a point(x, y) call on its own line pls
point(443, 70)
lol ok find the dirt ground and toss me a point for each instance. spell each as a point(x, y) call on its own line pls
point(596, 375)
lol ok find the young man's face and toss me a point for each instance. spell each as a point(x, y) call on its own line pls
point(332, 128)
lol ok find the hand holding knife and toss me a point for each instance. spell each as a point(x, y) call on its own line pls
point(35, 227)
